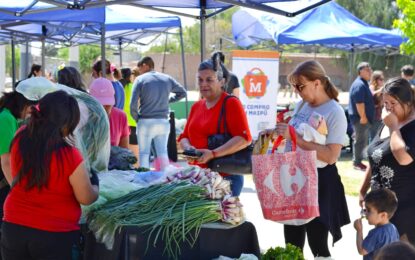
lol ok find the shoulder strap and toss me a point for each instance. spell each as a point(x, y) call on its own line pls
point(223, 115)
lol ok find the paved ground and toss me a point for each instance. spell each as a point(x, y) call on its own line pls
point(270, 234)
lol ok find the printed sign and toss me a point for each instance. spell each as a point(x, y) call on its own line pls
point(257, 72)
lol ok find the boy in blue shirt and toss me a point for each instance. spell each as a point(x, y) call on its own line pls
point(380, 205)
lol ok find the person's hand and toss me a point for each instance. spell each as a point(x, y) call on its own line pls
point(268, 132)
point(363, 120)
point(390, 120)
point(207, 155)
point(358, 225)
point(282, 130)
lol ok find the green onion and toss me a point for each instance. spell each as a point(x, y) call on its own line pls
point(173, 213)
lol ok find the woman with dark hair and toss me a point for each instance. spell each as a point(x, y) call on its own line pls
point(125, 76)
point(204, 117)
point(392, 154)
point(376, 84)
point(13, 107)
point(69, 76)
point(49, 181)
point(319, 96)
point(118, 88)
point(35, 71)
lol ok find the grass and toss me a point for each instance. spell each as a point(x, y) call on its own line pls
point(350, 177)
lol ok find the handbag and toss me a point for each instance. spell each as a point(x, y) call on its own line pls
point(237, 163)
point(287, 184)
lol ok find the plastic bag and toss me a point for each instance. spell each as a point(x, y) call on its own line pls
point(92, 133)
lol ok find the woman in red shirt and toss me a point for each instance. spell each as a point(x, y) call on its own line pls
point(204, 115)
point(42, 210)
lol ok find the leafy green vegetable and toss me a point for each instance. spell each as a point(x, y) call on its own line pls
point(121, 158)
point(290, 252)
point(142, 169)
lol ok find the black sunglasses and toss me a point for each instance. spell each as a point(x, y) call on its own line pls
point(298, 87)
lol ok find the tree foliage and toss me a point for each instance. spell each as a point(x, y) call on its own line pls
point(9, 60)
point(217, 27)
point(379, 13)
point(407, 24)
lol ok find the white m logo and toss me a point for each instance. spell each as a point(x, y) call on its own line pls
point(254, 87)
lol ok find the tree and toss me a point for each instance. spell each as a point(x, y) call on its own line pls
point(407, 24)
point(51, 50)
point(87, 56)
point(379, 13)
point(217, 27)
point(9, 60)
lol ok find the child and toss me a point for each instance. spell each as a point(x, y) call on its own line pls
point(396, 250)
point(380, 205)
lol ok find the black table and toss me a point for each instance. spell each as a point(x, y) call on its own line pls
point(131, 243)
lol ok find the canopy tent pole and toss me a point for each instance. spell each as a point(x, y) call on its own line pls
point(120, 51)
point(43, 57)
point(44, 33)
point(202, 29)
point(103, 60)
point(13, 63)
point(28, 60)
point(184, 70)
point(163, 64)
point(351, 65)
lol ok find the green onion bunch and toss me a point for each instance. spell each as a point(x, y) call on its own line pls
point(171, 212)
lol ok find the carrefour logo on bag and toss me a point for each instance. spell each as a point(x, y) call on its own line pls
point(255, 83)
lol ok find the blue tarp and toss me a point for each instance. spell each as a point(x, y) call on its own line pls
point(84, 26)
point(329, 24)
point(190, 8)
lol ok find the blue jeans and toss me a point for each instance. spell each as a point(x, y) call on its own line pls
point(237, 183)
point(361, 135)
point(156, 130)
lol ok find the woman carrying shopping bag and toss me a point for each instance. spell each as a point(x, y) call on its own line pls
point(319, 96)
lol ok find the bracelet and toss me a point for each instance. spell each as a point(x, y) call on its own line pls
point(213, 153)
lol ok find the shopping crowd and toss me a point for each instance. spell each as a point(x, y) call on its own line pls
point(46, 178)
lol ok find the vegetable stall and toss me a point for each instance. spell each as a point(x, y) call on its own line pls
point(183, 213)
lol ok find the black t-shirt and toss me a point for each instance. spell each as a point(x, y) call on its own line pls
point(232, 83)
point(386, 171)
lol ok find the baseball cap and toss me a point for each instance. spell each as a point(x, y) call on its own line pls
point(103, 91)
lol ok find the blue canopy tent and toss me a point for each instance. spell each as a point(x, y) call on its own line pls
point(201, 6)
point(329, 25)
point(102, 24)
